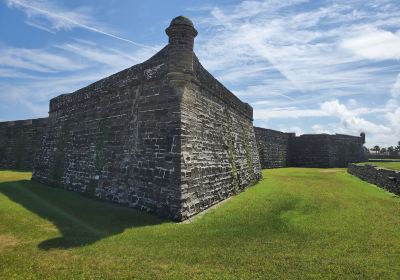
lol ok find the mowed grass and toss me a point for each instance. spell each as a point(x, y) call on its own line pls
point(295, 224)
point(389, 165)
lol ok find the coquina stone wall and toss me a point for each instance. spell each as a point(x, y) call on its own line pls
point(278, 149)
point(310, 151)
point(219, 152)
point(19, 142)
point(324, 150)
point(384, 178)
point(162, 136)
point(345, 149)
point(118, 139)
point(273, 147)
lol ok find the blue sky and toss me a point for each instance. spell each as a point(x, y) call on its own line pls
point(304, 66)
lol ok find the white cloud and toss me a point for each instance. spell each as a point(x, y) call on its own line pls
point(36, 60)
point(395, 90)
point(287, 52)
point(288, 63)
point(394, 118)
point(261, 102)
point(283, 113)
point(46, 15)
point(52, 16)
point(296, 129)
point(12, 73)
point(374, 44)
point(251, 8)
point(318, 128)
point(350, 120)
point(108, 56)
point(40, 74)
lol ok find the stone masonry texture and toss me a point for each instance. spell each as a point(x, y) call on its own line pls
point(19, 142)
point(278, 149)
point(162, 136)
point(384, 178)
point(273, 147)
point(325, 150)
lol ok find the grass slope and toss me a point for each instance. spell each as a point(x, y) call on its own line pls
point(388, 165)
point(296, 223)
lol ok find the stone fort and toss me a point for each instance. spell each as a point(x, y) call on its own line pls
point(162, 136)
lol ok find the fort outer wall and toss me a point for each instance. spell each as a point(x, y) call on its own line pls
point(219, 151)
point(278, 149)
point(325, 150)
point(273, 147)
point(118, 139)
point(19, 142)
point(157, 136)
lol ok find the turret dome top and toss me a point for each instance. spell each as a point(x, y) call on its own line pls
point(180, 24)
point(181, 20)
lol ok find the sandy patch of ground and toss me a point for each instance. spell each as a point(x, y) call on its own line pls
point(329, 171)
point(8, 241)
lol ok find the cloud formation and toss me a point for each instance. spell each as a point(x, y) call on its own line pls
point(47, 16)
point(374, 44)
point(293, 63)
point(304, 66)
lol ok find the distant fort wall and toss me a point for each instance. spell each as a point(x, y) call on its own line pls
point(278, 149)
point(325, 150)
point(273, 147)
point(20, 141)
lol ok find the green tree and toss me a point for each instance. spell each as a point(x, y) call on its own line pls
point(376, 148)
point(397, 149)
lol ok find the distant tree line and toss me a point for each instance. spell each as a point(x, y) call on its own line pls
point(387, 150)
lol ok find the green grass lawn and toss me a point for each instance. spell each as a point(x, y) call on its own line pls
point(388, 165)
point(295, 224)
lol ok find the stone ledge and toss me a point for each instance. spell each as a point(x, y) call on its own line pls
point(383, 178)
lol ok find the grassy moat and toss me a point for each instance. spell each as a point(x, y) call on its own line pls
point(296, 223)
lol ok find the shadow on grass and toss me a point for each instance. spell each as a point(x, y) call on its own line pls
point(81, 221)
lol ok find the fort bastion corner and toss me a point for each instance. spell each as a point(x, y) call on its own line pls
point(162, 136)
